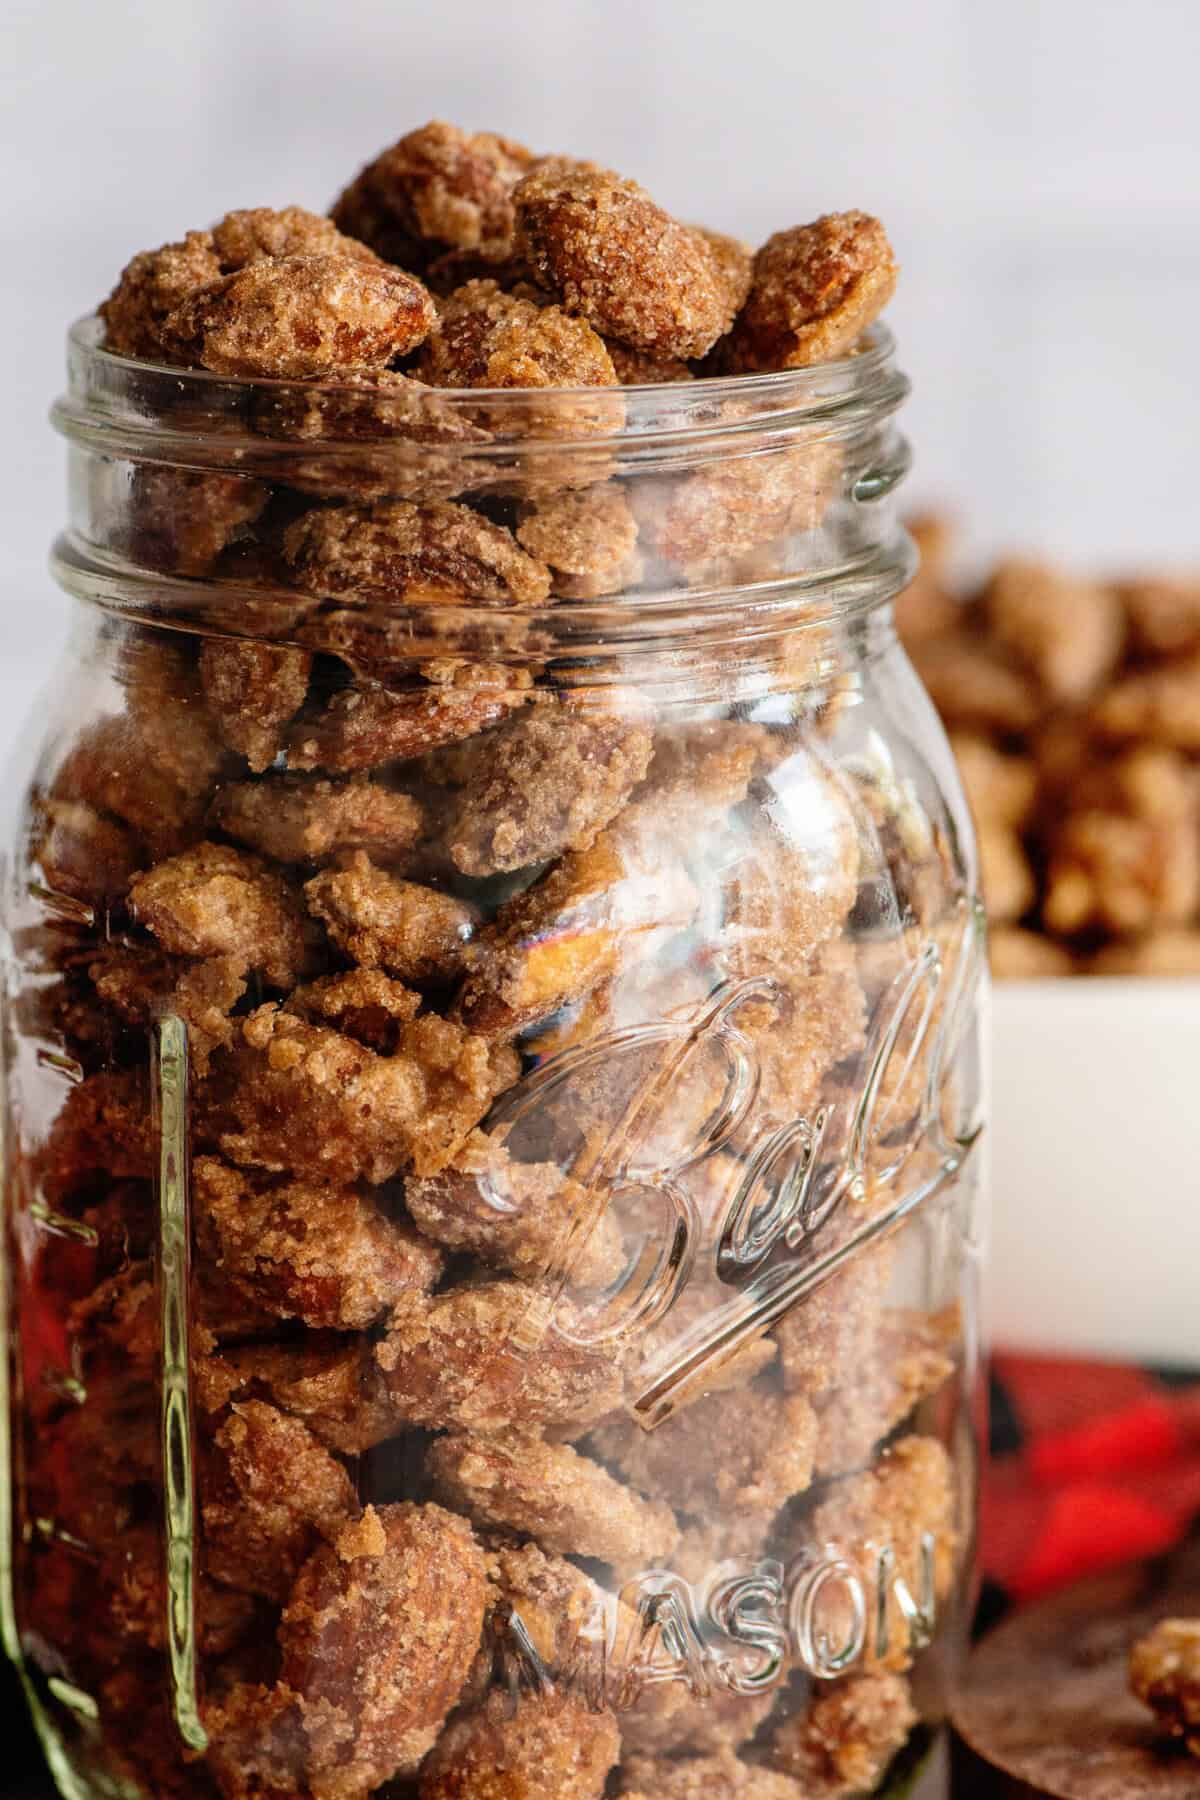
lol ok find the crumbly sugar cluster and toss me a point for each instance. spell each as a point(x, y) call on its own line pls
point(1073, 707)
point(1164, 1671)
point(440, 1552)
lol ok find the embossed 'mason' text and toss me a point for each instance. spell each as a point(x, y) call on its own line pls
point(745, 1631)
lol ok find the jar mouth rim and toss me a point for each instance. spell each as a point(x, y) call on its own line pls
point(805, 458)
point(796, 392)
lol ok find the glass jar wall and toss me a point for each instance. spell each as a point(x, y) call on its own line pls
point(492, 1071)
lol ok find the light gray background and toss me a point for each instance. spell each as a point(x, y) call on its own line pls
point(1037, 162)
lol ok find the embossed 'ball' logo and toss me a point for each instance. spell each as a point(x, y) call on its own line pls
point(807, 1195)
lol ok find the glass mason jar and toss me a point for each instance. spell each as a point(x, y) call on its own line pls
point(492, 1070)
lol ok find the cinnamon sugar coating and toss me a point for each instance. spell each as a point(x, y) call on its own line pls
point(377, 642)
point(735, 1371)
point(461, 1075)
point(253, 690)
point(259, 1528)
point(670, 1717)
point(549, 1491)
point(296, 317)
point(735, 505)
point(214, 900)
point(844, 1742)
point(700, 772)
point(549, 1624)
point(141, 985)
point(547, 1219)
point(437, 188)
point(396, 422)
point(180, 520)
point(257, 1743)
point(816, 1020)
point(767, 1444)
point(111, 1611)
point(80, 852)
point(421, 555)
point(155, 282)
point(815, 289)
point(645, 368)
point(103, 1124)
point(904, 1357)
point(1164, 1672)
point(329, 1380)
point(792, 889)
point(151, 286)
point(377, 1639)
point(255, 232)
point(131, 1595)
point(544, 783)
point(412, 931)
point(367, 726)
point(364, 1003)
point(151, 769)
point(331, 1256)
point(116, 1324)
point(520, 1749)
point(487, 338)
point(294, 820)
point(587, 538)
point(299, 1097)
point(483, 1357)
point(556, 941)
point(617, 259)
point(821, 1336)
point(735, 260)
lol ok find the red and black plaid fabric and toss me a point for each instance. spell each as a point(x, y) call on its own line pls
point(1092, 1464)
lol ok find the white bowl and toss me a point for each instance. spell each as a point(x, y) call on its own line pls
point(1095, 1237)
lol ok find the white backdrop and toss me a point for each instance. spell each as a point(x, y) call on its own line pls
point(1037, 163)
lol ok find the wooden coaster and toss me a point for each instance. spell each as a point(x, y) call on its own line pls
point(1046, 1708)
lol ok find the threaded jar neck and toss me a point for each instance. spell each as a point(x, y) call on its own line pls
point(737, 511)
